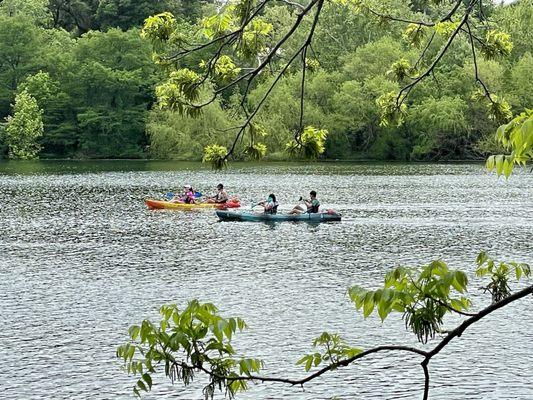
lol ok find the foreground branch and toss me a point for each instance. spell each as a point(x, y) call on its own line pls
point(427, 355)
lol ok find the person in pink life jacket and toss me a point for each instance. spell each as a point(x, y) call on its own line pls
point(189, 195)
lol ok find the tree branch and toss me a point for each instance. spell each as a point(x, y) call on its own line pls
point(398, 19)
point(425, 50)
point(457, 332)
point(256, 71)
point(230, 35)
point(476, 72)
point(253, 74)
point(449, 16)
point(404, 92)
point(333, 366)
point(424, 365)
point(292, 4)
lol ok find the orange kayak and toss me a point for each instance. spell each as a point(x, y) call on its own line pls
point(158, 204)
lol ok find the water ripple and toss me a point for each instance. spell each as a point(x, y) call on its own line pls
point(81, 258)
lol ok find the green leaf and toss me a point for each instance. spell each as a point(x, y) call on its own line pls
point(130, 353)
point(308, 363)
point(460, 281)
point(490, 163)
point(481, 258)
point(368, 304)
point(317, 359)
point(383, 310)
point(456, 304)
point(303, 359)
point(134, 331)
point(241, 324)
point(148, 379)
point(141, 385)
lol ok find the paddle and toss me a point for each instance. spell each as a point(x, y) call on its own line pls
point(170, 195)
point(254, 204)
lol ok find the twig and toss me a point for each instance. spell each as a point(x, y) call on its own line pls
point(404, 92)
point(476, 72)
point(280, 74)
point(425, 50)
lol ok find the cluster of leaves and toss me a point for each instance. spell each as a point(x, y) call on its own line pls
point(256, 151)
point(249, 41)
point(220, 24)
point(224, 69)
point(446, 28)
point(334, 350)
point(497, 44)
point(500, 273)
point(391, 112)
point(424, 299)
point(216, 155)
point(498, 109)
point(516, 137)
point(159, 28)
point(179, 91)
point(311, 143)
point(312, 64)
point(186, 341)
point(254, 38)
point(400, 70)
point(414, 34)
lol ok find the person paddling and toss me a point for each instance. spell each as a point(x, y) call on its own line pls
point(220, 197)
point(270, 205)
point(189, 196)
point(312, 205)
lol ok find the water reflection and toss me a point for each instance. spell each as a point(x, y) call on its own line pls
point(81, 258)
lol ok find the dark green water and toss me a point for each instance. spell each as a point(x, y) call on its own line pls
point(81, 258)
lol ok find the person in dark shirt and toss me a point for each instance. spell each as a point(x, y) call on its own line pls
point(311, 206)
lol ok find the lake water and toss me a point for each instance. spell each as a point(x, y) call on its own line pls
point(81, 258)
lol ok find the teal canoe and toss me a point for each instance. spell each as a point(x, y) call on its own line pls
point(251, 216)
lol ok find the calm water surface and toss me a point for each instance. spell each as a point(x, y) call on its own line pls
point(81, 258)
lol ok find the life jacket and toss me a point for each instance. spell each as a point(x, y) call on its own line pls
point(313, 209)
point(189, 198)
point(273, 210)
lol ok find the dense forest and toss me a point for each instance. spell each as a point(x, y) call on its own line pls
point(79, 75)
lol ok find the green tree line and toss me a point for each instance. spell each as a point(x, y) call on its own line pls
point(93, 78)
point(88, 69)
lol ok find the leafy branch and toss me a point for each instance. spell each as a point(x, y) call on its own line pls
point(240, 49)
point(198, 339)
